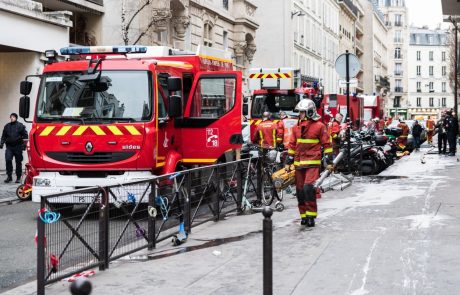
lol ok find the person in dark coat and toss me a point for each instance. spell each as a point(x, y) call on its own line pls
point(13, 136)
point(451, 125)
point(442, 135)
point(416, 133)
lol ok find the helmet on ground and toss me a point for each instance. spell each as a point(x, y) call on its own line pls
point(309, 107)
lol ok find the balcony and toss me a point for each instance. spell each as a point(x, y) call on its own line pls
point(398, 56)
point(388, 24)
point(419, 90)
point(398, 73)
point(398, 89)
point(398, 24)
point(398, 40)
point(359, 27)
point(349, 6)
point(359, 46)
point(82, 6)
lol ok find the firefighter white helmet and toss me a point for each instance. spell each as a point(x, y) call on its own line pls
point(309, 107)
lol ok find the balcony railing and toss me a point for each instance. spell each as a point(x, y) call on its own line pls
point(398, 89)
point(398, 73)
point(398, 40)
point(419, 90)
point(398, 24)
point(398, 56)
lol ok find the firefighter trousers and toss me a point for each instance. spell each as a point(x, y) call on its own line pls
point(429, 136)
point(306, 193)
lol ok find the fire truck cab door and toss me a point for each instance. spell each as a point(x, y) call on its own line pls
point(212, 119)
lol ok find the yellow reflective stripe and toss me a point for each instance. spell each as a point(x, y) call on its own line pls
point(328, 150)
point(403, 136)
point(115, 130)
point(278, 138)
point(307, 140)
point(97, 130)
point(303, 215)
point(261, 137)
point(307, 162)
point(47, 131)
point(335, 136)
point(63, 130)
point(257, 122)
point(291, 152)
point(199, 160)
point(131, 129)
point(80, 130)
point(309, 213)
point(274, 137)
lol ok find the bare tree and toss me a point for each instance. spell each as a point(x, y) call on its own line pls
point(127, 21)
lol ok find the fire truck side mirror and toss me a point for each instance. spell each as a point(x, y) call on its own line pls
point(175, 106)
point(245, 109)
point(24, 107)
point(174, 84)
point(25, 87)
point(245, 99)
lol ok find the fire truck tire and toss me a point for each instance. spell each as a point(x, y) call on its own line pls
point(22, 195)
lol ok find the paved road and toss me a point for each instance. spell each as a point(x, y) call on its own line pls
point(17, 254)
point(391, 236)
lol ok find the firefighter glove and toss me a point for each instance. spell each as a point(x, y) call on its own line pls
point(289, 160)
point(330, 168)
point(280, 147)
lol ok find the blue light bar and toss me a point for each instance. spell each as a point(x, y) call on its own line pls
point(82, 50)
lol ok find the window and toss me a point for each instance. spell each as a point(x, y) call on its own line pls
point(213, 97)
point(419, 86)
point(431, 86)
point(431, 101)
point(398, 52)
point(419, 101)
point(163, 95)
point(419, 70)
point(443, 86)
point(431, 70)
point(430, 39)
point(443, 101)
point(418, 55)
point(396, 102)
point(431, 55)
point(207, 35)
point(444, 71)
point(398, 20)
point(398, 37)
point(398, 67)
point(225, 40)
point(225, 4)
point(443, 56)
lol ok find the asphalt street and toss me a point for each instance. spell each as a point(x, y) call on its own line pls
point(393, 234)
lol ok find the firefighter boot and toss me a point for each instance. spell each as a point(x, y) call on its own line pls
point(301, 205)
point(8, 179)
point(310, 221)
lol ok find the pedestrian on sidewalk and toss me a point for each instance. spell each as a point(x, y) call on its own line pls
point(308, 140)
point(13, 136)
point(442, 136)
point(452, 131)
point(416, 133)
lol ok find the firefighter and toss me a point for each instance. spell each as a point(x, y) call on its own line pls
point(266, 132)
point(430, 130)
point(402, 139)
point(308, 139)
point(334, 130)
point(284, 131)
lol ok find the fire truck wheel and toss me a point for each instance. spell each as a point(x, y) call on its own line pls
point(22, 194)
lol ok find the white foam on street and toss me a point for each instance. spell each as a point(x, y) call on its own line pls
point(425, 221)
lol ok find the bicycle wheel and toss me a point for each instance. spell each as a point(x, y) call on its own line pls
point(268, 189)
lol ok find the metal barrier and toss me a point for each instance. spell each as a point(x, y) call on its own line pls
point(88, 228)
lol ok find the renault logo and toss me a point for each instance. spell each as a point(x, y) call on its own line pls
point(88, 147)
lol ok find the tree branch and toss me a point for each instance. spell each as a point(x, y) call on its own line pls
point(144, 32)
point(147, 2)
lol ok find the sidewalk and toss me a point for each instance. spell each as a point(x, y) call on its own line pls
point(7, 190)
point(395, 235)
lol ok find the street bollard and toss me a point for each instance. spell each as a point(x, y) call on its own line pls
point(81, 286)
point(268, 250)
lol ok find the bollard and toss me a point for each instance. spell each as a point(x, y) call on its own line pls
point(81, 286)
point(268, 250)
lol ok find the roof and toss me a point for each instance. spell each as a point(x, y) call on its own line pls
point(375, 7)
point(428, 37)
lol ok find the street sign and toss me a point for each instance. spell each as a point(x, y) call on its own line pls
point(353, 83)
point(353, 65)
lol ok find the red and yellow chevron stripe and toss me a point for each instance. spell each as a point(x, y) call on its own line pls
point(256, 122)
point(89, 130)
point(270, 75)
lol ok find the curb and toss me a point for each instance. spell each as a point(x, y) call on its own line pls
point(9, 201)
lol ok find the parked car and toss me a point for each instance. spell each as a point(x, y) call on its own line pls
point(410, 138)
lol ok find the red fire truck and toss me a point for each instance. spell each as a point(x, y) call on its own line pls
point(115, 114)
point(337, 103)
point(275, 90)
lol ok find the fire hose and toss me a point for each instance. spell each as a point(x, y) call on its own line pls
point(328, 172)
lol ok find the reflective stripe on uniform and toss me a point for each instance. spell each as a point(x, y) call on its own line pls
point(291, 152)
point(307, 162)
point(303, 215)
point(274, 137)
point(307, 140)
point(310, 213)
point(328, 150)
point(261, 137)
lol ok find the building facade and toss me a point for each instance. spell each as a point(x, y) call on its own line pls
point(429, 71)
point(395, 13)
point(299, 33)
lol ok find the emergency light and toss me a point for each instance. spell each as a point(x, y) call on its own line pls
point(103, 49)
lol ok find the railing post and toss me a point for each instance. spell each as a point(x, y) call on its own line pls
point(104, 229)
point(41, 252)
point(188, 203)
point(239, 186)
point(152, 217)
point(216, 195)
point(268, 251)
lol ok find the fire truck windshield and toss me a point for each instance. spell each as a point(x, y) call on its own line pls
point(273, 103)
point(124, 96)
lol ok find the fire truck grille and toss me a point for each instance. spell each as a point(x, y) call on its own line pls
point(96, 158)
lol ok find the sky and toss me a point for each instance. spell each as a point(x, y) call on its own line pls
point(425, 12)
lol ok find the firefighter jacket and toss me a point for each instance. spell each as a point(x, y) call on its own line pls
point(308, 139)
point(334, 130)
point(284, 133)
point(429, 125)
point(265, 134)
point(14, 134)
point(405, 130)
